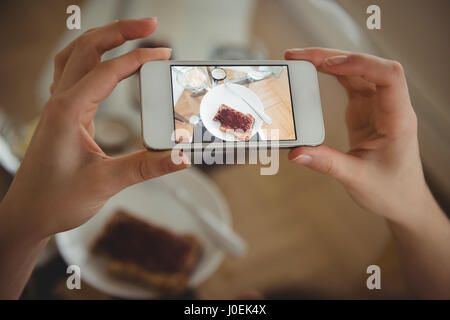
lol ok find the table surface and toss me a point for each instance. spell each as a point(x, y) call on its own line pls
point(306, 237)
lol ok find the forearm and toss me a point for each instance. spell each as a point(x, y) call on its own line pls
point(424, 249)
point(19, 251)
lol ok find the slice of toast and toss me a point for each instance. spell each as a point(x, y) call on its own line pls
point(145, 253)
point(235, 122)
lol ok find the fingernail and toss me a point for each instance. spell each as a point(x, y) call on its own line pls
point(303, 159)
point(294, 50)
point(186, 159)
point(182, 159)
point(150, 18)
point(332, 61)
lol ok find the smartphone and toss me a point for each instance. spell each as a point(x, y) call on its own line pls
point(244, 103)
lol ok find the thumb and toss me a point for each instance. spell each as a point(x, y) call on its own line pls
point(142, 165)
point(326, 160)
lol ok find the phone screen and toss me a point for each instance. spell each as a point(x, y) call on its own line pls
point(232, 103)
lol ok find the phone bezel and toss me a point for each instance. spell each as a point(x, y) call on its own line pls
point(157, 112)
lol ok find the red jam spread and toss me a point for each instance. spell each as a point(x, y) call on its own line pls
point(233, 119)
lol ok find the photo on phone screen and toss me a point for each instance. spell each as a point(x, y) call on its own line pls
point(232, 103)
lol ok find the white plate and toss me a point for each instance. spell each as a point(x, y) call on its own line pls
point(221, 95)
point(149, 201)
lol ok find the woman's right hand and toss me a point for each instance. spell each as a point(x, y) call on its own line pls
point(382, 170)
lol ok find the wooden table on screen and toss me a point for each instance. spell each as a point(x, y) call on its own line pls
point(273, 93)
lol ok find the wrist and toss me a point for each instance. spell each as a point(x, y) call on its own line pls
point(419, 211)
point(16, 228)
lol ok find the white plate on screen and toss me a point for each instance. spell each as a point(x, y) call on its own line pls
point(151, 202)
point(221, 95)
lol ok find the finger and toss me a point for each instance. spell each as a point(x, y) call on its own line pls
point(59, 63)
point(326, 160)
point(386, 75)
point(317, 55)
point(86, 51)
point(357, 85)
point(382, 72)
point(140, 166)
point(377, 70)
point(116, 33)
point(99, 83)
point(313, 55)
point(61, 60)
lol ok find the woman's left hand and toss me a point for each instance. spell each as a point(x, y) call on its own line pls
point(65, 178)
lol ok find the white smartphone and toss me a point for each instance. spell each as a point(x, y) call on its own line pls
point(197, 104)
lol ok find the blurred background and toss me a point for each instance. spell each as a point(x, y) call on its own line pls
point(306, 237)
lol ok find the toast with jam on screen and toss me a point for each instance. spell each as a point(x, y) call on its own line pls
point(235, 122)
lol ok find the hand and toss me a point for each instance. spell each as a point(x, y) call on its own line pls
point(382, 170)
point(65, 178)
